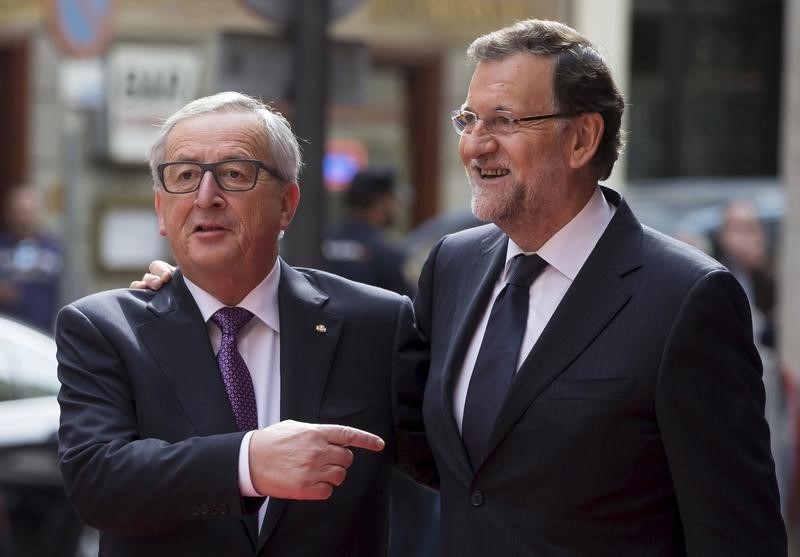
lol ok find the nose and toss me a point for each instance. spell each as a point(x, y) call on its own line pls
point(476, 144)
point(208, 192)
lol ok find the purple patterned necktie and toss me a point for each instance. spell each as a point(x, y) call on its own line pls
point(235, 374)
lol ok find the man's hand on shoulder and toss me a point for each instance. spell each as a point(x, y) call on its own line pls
point(295, 460)
point(159, 273)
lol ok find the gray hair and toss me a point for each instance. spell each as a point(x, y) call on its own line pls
point(280, 138)
point(582, 80)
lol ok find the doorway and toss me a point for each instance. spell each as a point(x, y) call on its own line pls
point(13, 112)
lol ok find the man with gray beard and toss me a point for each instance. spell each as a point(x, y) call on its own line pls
point(593, 386)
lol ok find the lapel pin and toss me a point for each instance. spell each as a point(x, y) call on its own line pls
point(321, 328)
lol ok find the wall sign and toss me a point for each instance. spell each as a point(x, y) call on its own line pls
point(146, 83)
point(80, 27)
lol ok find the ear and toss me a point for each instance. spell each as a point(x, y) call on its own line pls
point(290, 198)
point(588, 131)
point(162, 227)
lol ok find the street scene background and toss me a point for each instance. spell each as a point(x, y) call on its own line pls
point(712, 157)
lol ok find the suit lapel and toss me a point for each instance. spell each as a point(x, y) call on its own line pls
point(595, 297)
point(308, 339)
point(477, 288)
point(178, 340)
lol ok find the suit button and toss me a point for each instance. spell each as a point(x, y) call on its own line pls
point(476, 498)
point(218, 509)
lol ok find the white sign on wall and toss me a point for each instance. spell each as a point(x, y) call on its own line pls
point(146, 83)
point(128, 238)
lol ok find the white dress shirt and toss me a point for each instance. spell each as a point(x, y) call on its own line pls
point(565, 252)
point(259, 344)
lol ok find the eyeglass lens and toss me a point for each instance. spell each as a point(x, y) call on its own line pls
point(230, 175)
point(464, 122)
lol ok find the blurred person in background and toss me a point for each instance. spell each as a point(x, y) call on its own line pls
point(593, 386)
point(741, 244)
point(212, 417)
point(360, 249)
point(31, 260)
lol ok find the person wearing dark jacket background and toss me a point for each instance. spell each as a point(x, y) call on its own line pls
point(31, 260)
point(358, 247)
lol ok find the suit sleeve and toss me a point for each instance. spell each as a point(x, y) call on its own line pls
point(710, 409)
point(414, 457)
point(116, 480)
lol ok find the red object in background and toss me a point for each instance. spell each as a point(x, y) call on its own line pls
point(80, 27)
point(792, 400)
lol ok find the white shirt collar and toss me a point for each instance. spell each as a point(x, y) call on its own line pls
point(262, 301)
point(569, 248)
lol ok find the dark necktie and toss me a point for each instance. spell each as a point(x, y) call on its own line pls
point(235, 374)
point(497, 358)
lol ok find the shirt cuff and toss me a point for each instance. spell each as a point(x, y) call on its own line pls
point(245, 483)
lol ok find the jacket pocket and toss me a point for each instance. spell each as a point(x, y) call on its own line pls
point(351, 415)
point(587, 389)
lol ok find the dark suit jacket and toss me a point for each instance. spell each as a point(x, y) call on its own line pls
point(148, 445)
point(634, 427)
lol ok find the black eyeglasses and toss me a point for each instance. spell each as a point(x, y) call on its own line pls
point(499, 123)
point(231, 175)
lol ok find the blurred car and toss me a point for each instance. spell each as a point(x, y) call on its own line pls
point(693, 208)
point(35, 517)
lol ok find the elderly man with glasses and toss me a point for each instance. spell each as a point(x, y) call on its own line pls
point(213, 417)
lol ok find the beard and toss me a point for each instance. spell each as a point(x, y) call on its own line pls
point(491, 205)
point(527, 197)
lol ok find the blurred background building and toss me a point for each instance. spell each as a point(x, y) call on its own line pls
point(83, 82)
point(713, 92)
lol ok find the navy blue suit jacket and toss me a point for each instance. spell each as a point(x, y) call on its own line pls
point(148, 445)
point(634, 427)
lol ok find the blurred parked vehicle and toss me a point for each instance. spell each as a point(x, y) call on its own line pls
point(34, 512)
point(693, 208)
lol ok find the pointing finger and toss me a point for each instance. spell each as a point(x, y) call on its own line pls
point(346, 436)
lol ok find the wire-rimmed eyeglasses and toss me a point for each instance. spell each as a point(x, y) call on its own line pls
point(231, 175)
point(500, 122)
